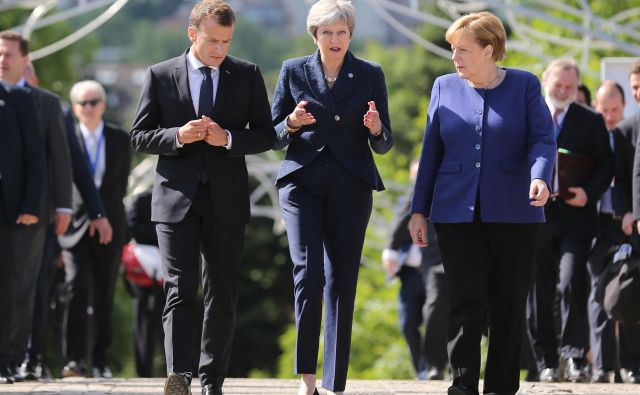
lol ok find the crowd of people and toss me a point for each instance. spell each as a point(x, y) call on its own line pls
point(489, 239)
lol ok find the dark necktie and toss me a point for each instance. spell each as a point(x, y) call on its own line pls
point(205, 104)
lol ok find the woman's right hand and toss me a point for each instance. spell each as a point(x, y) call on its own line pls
point(418, 230)
point(300, 117)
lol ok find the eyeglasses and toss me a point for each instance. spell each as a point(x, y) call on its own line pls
point(92, 102)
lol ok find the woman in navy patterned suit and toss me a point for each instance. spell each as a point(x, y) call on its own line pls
point(330, 109)
point(486, 164)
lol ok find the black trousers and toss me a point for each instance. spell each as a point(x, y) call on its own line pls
point(435, 319)
point(91, 271)
point(602, 337)
point(569, 279)
point(488, 269)
point(7, 274)
point(147, 325)
point(30, 244)
point(181, 245)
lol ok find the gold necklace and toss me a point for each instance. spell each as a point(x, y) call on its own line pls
point(492, 84)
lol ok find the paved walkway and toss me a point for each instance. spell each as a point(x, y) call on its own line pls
point(288, 387)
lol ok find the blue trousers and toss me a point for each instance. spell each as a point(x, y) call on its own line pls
point(326, 210)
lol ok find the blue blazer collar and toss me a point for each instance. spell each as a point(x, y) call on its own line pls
point(343, 85)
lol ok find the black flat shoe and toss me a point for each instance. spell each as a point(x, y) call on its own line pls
point(315, 392)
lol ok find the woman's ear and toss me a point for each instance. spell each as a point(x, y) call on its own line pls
point(488, 50)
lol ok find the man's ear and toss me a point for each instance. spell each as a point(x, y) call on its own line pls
point(192, 33)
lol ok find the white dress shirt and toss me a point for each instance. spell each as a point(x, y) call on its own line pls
point(195, 81)
point(95, 150)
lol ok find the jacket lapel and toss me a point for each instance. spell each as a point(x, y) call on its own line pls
point(108, 155)
point(315, 80)
point(344, 84)
point(181, 79)
point(225, 72)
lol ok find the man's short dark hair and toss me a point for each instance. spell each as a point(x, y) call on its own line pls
point(218, 9)
point(15, 36)
point(635, 68)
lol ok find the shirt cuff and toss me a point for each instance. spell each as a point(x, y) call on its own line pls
point(228, 146)
point(178, 143)
point(389, 254)
point(64, 210)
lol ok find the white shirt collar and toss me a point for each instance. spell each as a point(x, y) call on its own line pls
point(87, 134)
point(22, 82)
point(194, 63)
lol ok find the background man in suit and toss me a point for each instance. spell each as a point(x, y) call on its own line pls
point(566, 236)
point(21, 182)
point(615, 223)
point(91, 266)
point(423, 295)
point(56, 196)
point(32, 368)
point(193, 112)
point(629, 333)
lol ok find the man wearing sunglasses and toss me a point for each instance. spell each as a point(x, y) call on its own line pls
point(91, 266)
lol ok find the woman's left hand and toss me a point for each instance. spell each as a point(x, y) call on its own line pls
point(538, 192)
point(372, 119)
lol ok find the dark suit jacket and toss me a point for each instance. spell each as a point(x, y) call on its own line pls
point(21, 154)
point(82, 178)
point(584, 132)
point(58, 175)
point(165, 105)
point(338, 113)
point(112, 190)
point(631, 128)
point(141, 228)
point(624, 148)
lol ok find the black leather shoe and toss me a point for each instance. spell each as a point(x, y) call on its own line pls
point(532, 376)
point(632, 377)
point(600, 376)
point(549, 375)
point(315, 392)
point(460, 390)
point(18, 377)
point(102, 372)
point(178, 384)
point(5, 375)
point(574, 370)
point(211, 390)
point(434, 374)
point(32, 371)
point(74, 369)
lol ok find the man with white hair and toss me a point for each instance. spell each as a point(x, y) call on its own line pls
point(91, 265)
point(565, 239)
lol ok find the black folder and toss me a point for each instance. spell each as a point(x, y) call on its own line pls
point(574, 170)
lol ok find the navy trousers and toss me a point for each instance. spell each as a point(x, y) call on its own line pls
point(326, 210)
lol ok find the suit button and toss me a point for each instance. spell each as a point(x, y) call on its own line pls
point(477, 146)
point(337, 118)
point(479, 112)
point(477, 164)
point(478, 127)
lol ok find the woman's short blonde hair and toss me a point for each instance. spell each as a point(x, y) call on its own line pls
point(326, 12)
point(484, 27)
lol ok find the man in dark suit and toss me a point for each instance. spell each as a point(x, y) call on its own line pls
point(629, 333)
point(32, 367)
point(193, 112)
point(91, 266)
point(615, 224)
point(56, 196)
point(567, 235)
point(21, 182)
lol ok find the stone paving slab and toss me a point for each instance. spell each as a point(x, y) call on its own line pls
point(75, 386)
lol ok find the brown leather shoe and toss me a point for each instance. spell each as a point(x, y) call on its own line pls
point(178, 384)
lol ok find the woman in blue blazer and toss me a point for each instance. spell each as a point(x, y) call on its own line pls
point(330, 109)
point(486, 163)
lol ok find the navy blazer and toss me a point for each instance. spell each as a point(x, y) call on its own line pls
point(489, 143)
point(339, 114)
point(21, 154)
